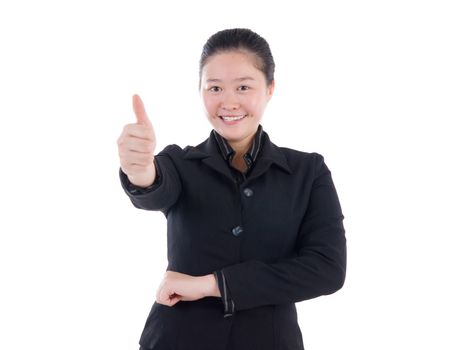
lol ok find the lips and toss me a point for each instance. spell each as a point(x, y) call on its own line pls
point(232, 118)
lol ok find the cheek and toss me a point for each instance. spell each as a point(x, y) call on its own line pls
point(209, 104)
point(254, 104)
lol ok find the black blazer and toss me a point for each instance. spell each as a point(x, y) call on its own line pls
point(291, 246)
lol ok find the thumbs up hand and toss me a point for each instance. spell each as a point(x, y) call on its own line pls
point(136, 146)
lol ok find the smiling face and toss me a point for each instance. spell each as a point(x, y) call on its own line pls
point(235, 95)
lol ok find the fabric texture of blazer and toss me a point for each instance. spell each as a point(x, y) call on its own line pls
point(278, 238)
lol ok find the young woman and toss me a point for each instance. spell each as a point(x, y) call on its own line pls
point(253, 228)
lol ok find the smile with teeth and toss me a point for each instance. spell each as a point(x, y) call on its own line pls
point(232, 118)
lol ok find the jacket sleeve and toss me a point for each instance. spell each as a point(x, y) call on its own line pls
point(164, 192)
point(318, 267)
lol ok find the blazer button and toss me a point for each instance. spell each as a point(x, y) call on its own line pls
point(248, 192)
point(237, 230)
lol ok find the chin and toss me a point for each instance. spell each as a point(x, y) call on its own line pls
point(234, 132)
point(235, 135)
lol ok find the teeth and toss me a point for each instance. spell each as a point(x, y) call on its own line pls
point(232, 118)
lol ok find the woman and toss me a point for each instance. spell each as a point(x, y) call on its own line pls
point(253, 228)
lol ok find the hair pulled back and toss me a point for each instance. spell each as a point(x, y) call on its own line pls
point(240, 39)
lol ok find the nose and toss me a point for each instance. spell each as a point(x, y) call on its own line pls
point(229, 101)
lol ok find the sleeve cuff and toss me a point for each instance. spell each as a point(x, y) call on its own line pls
point(227, 301)
point(136, 190)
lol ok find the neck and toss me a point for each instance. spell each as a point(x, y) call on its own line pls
point(241, 147)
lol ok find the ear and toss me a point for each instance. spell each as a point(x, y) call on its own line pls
point(270, 89)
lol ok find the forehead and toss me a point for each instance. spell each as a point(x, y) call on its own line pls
point(231, 66)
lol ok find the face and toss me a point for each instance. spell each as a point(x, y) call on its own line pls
point(235, 95)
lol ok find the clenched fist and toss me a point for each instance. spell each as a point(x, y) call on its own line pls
point(176, 286)
point(136, 146)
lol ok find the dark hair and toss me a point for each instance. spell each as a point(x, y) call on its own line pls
point(240, 39)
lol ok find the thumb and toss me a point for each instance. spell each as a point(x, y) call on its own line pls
point(140, 112)
point(173, 299)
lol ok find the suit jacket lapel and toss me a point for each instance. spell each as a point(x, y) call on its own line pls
point(269, 154)
point(209, 154)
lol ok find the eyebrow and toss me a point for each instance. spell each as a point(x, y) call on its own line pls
point(238, 79)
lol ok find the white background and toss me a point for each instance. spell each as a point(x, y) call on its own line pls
point(378, 87)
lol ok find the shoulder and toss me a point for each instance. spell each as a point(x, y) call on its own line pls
point(310, 167)
point(179, 154)
point(175, 151)
point(171, 150)
point(293, 153)
point(297, 160)
point(301, 158)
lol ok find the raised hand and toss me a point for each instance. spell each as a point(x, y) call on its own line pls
point(136, 146)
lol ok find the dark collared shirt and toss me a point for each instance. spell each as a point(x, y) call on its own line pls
point(250, 157)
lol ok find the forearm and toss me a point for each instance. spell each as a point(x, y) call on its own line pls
point(255, 283)
point(318, 266)
point(164, 190)
point(210, 285)
point(144, 179)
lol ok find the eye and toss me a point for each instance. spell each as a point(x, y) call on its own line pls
point(244, 88)
point(214, 89)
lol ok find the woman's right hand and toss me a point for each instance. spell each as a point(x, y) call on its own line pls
point(136, 146)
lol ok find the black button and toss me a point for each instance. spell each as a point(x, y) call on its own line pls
point(237, 230)
point(248, 192)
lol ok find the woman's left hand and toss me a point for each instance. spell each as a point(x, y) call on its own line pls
point(176, 286)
